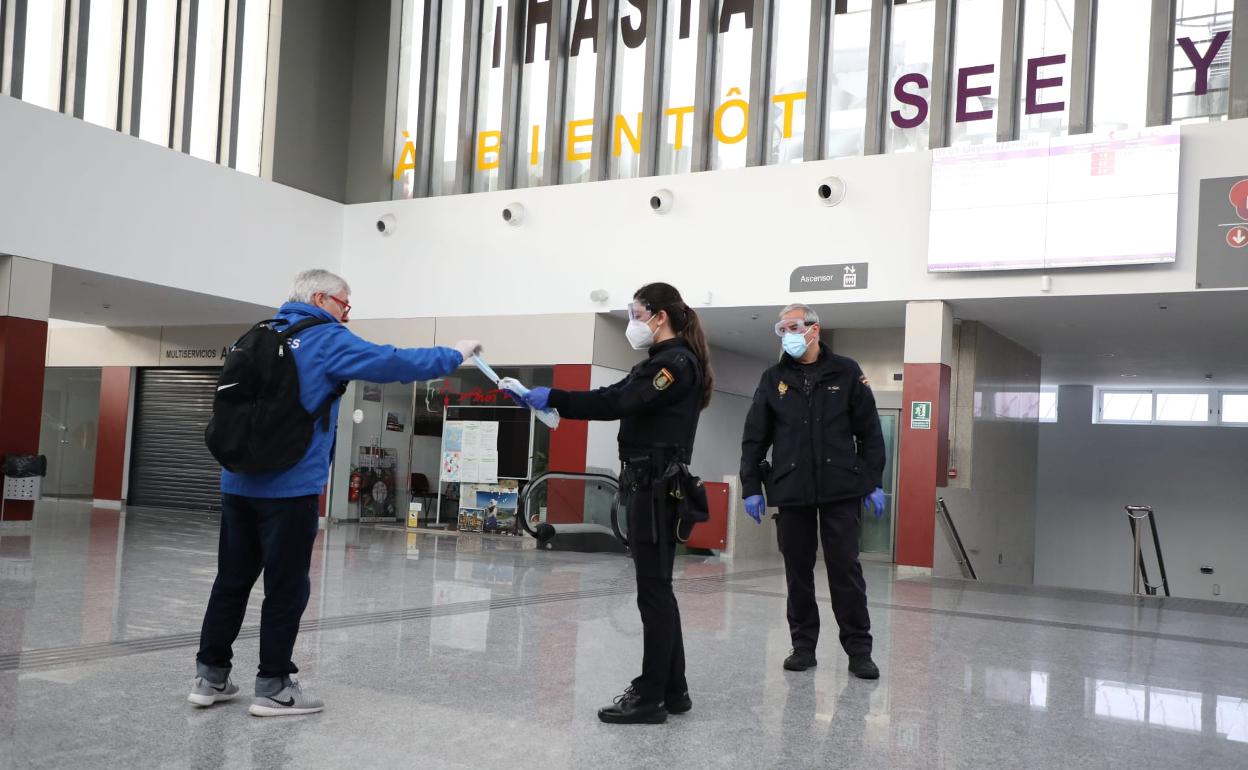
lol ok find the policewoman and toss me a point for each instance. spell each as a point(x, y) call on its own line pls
point(658, 406)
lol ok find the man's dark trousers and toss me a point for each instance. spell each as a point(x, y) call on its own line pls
point(799, 529)
point(274, 535)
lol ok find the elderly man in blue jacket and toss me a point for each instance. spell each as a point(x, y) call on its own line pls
point(269, 521)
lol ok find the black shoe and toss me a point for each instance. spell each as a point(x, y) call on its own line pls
point(678, 704)
point(630, 709)
point(800, 660)
point(863, 667)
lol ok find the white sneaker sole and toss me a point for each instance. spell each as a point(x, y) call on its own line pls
point(204, 701)
point(281, 711)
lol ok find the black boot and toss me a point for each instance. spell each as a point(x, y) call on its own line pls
point(863, 667)
point(678, 703)
point(800, 660)
point(631, 709)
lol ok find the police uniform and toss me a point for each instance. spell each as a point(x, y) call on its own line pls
point(827, 453)
point(658, 405)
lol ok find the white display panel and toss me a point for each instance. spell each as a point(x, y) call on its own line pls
point(1079, 201)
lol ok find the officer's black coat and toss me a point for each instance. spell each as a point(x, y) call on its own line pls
point(657, 404)
point(823, 430)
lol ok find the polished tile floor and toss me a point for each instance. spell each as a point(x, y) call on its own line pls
point(445, 651)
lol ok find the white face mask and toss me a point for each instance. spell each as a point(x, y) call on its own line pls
point(639, 334)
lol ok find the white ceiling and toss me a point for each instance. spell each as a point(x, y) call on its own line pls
point(81, 296)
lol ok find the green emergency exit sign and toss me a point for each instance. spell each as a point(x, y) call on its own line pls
point(921, 415)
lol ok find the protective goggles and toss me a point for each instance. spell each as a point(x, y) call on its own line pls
point(792, 326)
point(639, 312)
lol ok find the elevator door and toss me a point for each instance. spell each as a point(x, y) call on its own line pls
point(876, 542)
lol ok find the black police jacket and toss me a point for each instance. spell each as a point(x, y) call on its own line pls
point(657, 404)
point(823, 429)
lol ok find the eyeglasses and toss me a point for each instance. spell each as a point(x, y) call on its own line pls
point(346, 306)
point(792, 326)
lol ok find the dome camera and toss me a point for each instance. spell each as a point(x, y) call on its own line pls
point(386, 224)
point(513, 213)
point(831, 191)
point(661, 201)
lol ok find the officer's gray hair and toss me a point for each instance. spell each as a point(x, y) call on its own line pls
point(809, 314)
point(312, 282)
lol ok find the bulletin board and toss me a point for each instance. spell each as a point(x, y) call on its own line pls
point(485, 445)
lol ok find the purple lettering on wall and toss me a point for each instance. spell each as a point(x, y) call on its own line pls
point(1035, 83)
point(1201, 63)
point(966, 92)
point(913, 100)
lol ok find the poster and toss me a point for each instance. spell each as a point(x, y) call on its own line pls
point(451, 466)
point(377, 497)
point(496, 504)
point(372, 392)
point(394, 421)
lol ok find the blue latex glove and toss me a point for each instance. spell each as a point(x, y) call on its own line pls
point(875, 502)
point(538, 398)
point(756, 506)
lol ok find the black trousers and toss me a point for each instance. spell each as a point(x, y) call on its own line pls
point(663, 659)
point(799, 530)
point(276, 536)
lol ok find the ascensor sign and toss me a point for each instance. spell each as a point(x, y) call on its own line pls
point(1039, 77)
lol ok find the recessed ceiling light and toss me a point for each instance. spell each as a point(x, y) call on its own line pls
point(1128, 375)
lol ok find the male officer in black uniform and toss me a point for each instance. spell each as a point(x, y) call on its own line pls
point(658, 406)
point(816, 413)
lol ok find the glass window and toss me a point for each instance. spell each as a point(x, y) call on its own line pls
point(1182, 407)
point(730, 120)
point(790, 55)
point(206, 97)
point(536, 86)
point(1232, 715)
point(160, 30)
point(582, 79)
point(1202, 45)
point(445, 145)
point(910, 74)
point(45, 36)
point(405, 166)
point(1120, 74)
point(1174, 709)
point(629, 93)
point(103, 62)
point(489, 138)
point(1048, 406)
point(1235, 408)
point(676, 152)
point(1044, 79)
point(1126, 407)
point(847, 80)
point(255, 42)
point(976, 82)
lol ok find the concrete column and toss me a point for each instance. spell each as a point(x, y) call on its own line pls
point(25, 299)
point(924, 441)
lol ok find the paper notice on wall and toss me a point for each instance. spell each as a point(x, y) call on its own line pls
point(470, 469)
point(489, 437)
point(453, 436)
point(487, 468)
point(472, 438)
point(452, 465)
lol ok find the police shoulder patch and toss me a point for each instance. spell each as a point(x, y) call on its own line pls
point(663, 380)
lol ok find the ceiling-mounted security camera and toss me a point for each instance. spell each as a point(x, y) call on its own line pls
point(661, 201)
point(386, 224)
point(831, 191)
point(513, 213)
point(599, 295)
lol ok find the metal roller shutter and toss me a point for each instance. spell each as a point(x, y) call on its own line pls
point(170, 467)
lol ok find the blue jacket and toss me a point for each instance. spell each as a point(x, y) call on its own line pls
point(326, 356)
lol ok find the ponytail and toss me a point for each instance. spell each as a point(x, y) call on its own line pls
point(686, 325)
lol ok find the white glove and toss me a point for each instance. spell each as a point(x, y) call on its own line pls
point(468, 348)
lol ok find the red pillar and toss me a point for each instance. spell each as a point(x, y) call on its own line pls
point(23, 352)
point(110, 443)
point(565, 501)
point(924, 462)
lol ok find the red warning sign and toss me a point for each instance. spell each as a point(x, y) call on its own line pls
point(1237, 237)
point(1239, 199)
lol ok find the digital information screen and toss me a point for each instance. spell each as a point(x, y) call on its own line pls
point(1077, 201)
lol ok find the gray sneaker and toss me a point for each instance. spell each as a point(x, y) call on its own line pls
point(291, 700)
point(205, 693)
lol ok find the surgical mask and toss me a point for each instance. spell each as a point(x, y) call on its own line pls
point(639, 334)
point(795, 344)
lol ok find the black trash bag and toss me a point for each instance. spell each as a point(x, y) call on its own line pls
point(25, 466)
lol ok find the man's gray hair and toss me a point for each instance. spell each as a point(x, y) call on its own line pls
point(313, 282)
point(808, 313)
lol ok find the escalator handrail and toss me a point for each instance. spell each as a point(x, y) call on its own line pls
point(610, 481)
point(1136, 513)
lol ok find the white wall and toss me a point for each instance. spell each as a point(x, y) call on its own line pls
point(1193, 477)
point(80, 195)
point(736, 235)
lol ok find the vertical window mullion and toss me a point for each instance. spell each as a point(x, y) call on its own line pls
point(943, 48)
point(74, 57)
point(1237, 104)
point(658, 41)
point(468, 95)
point(704, 95)
point(760, 84)
point(16, 33)
point(606, 76)
point(1160, 62)
point(184, 76)
point(814, 141)
point(557, 98)
point(231, 78)
point(1082, 66)
point(877, 76)
point(513, 140)
point(426, 129)
point(1010, 66)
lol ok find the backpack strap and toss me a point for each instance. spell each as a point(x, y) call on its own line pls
point(295, 328)
point(322, 414)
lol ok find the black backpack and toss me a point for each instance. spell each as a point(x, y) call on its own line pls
point(258, 424)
